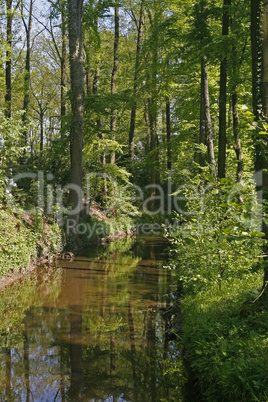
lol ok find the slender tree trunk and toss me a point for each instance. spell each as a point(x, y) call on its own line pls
point(152, 109)
point(63, 63)
point(264, 75)
point(168, 125)
point(230, 113)
point(100, 134)
point(222, 101)
point(202, 129)
point(152, 113)
point(256, 56)
point(41, 130)
point(77, 93)
point(95, 91)
point(146, 118)
point(115, 73)
point(27, 70)
point(237, 144)
point(208, 127)
point(88, 75)
point(8, 58)
point(264, 99)
point(136, 76)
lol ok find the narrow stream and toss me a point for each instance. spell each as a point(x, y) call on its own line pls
point(92, 329)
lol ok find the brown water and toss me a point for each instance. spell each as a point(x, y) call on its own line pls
point(92, 330)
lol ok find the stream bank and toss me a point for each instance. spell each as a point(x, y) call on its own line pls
point(30, 241)
point(24, 240)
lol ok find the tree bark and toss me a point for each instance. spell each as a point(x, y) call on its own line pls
point(237, 144)
point(8, 58)
point(41, 130)
point(98, 122)
point(168, 125)
point(222, 101)
point(63, 64)
point(77, 94)
point(152, 109)
point(256, 53)
point(114, 74)
point(208, 127)
point(89, 85)
point(264, 75)
point(202, 128)
point(136, 76)
point(264, 99)
point(27, 70)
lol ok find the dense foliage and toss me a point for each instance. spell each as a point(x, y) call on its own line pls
point(23, 238)
point(153, 107)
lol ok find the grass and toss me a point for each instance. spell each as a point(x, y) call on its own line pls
point(226, 338)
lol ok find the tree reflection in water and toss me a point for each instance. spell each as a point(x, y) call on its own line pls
point(93, 331)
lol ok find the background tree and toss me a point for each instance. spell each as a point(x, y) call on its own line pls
point(10, 16)
point(77, 100)
point(27, 72)
point(222, 99)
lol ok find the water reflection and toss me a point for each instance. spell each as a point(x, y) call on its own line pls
point(91, 330)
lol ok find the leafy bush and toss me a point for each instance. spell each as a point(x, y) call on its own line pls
point(24, 237)
point(219, 236)
point(216, 267)
point(10, 149)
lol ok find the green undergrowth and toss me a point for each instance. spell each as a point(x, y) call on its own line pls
point(91, 230)
point(23, 238)
point(216, 260)
point(225, 335)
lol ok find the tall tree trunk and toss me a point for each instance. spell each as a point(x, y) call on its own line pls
point(264, 99)
point(136, 76)
point(237, 144)
point(152, 113)
point(41, 129)
point(95, 91)
point(77, 90)
point(222, 101)
point(264, 75)
point(146, 118)
point(256, 56)
point(88, 73)
point(63, 63)
point(8, 58)
point(259, 43)
point(152, 110)
point(168, 125)
point(208, 127)
point(202, 129)
point(115, 73)
point(98, 122)
point(27, 71)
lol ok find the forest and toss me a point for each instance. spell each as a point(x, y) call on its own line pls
point(147, 117)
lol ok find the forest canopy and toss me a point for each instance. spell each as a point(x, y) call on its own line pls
point(104, 95)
